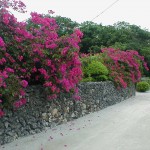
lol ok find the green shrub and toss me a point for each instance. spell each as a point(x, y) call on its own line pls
point(88, 79)
point(146, 79)
point(142, 86)
point(93, 69)
point(96, 68)
point(101, 78)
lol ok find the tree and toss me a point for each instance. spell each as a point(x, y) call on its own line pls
point(146, 53)
point(91, 36)
point(66, 25)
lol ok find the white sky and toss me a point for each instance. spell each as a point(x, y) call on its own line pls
point(133, 11)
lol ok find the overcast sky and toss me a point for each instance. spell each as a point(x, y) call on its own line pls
point(133, 11)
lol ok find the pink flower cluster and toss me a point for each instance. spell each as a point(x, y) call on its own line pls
point(7, 80)
point(36, 53)
point(124, 66)
point(2, 44)
point(24, 83)
point(14, 4)
point(20, 103)
point(1, 113)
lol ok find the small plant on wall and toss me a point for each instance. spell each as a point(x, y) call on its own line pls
point(93, 69)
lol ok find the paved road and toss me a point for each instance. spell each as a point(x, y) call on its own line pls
point(124, 126)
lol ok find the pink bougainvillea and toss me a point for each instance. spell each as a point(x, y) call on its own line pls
point(24, 83)
point(1, 113)
point(17, 5)
point(19, 103)
point(2, 44)
point(35, 52)
point(124, 66)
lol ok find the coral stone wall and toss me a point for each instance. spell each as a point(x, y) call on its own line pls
point(39, 113)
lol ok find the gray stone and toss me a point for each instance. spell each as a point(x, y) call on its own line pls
point(10, 133)
point(54, 112)
point(53, 124)
point(45, 116)
point(32, 132)
point(49, 114)
point(22, 122)
point(66, 110)
point(83, 106)
point(73, 115)
point(39, 113)
point(1, 132)
point(26, 133)
point(45, 124)
point(7, 139)
point(64, 120)
point(33, 126)
point(6, 124)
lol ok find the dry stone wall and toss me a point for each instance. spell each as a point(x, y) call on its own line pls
point(39, 113)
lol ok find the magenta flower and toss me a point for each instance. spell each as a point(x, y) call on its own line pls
point(2, 44)
point(24, 83)
point(77, 97)
point(64, 51)
point(48, 62)
point(51, 12)
point(22, 92)
point(51, 97)
point(63, 68)
point(5, 74)
point(78, 33)
point(20, 58)
point(51, 46)
point(47, 84)
point(6, 19)
point(19, 103)
point(1, 113)
point(9, 70)
point(2, 61)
